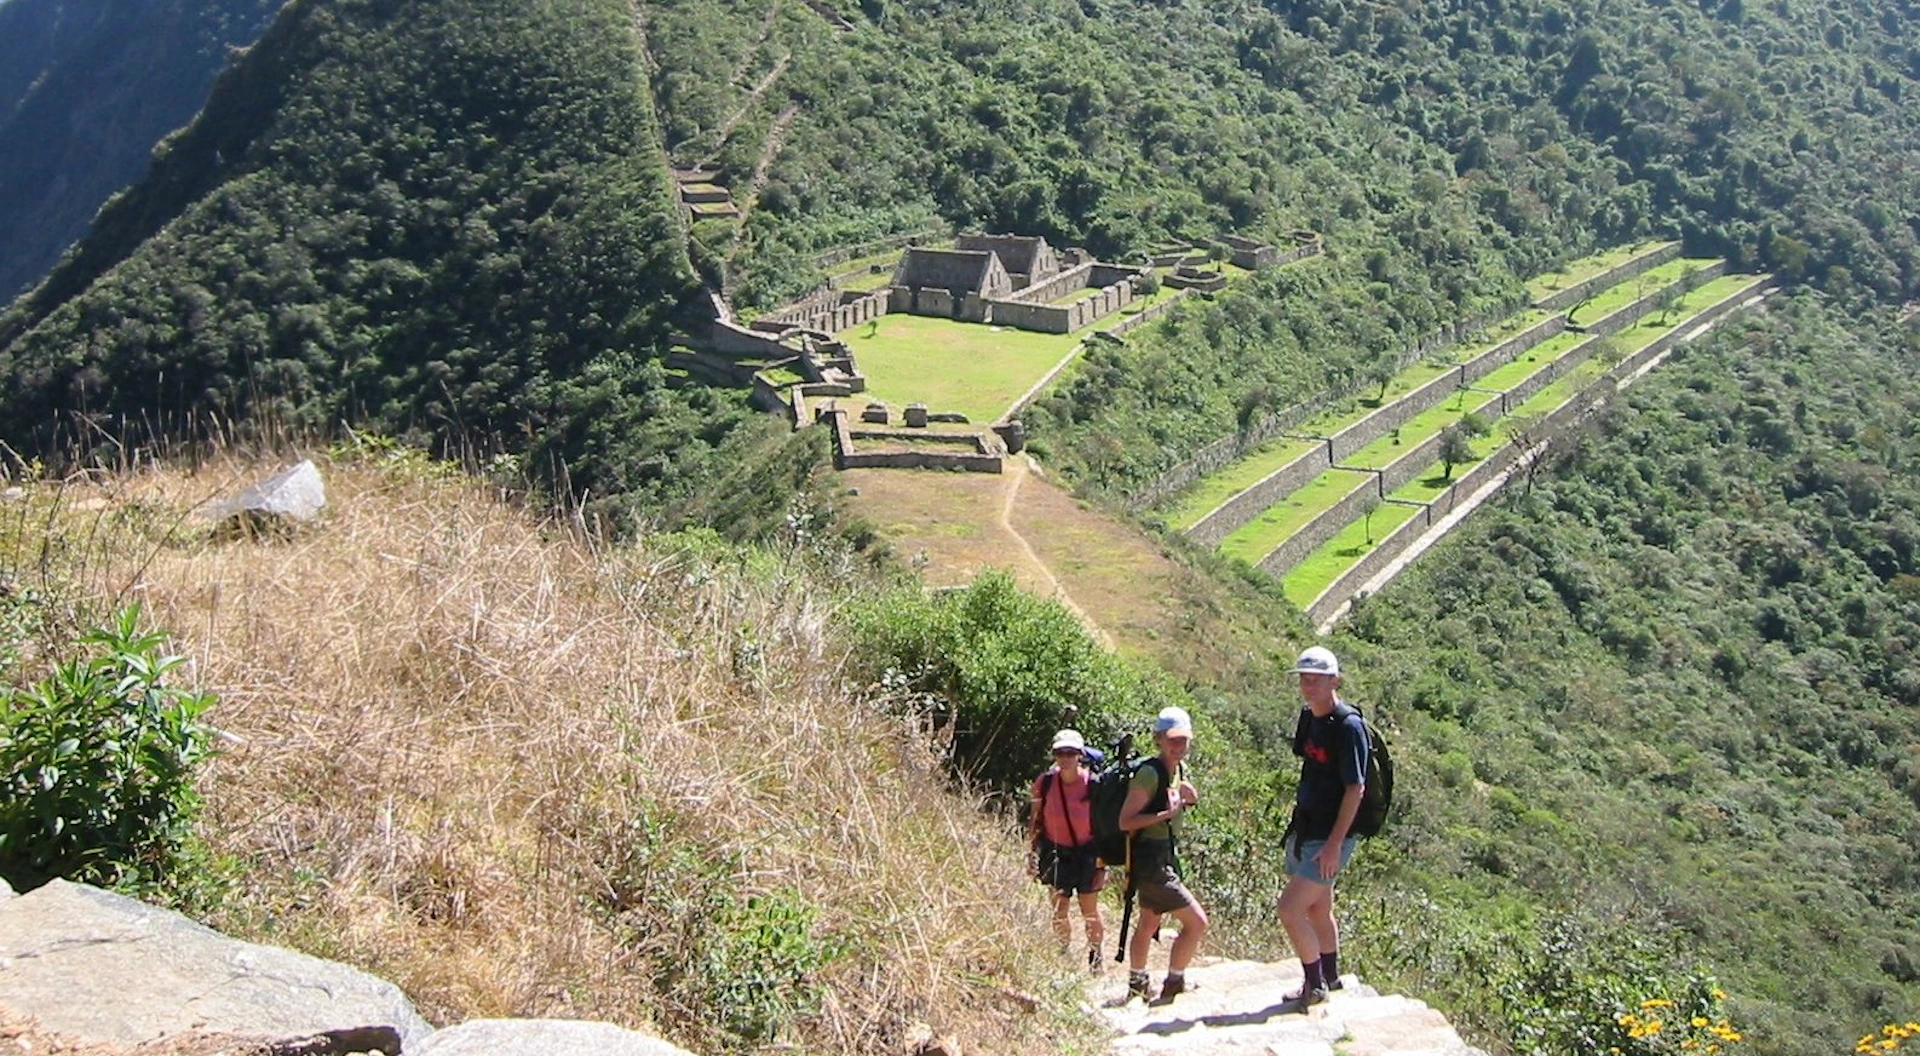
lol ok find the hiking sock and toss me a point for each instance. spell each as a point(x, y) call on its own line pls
point(1311, 970)
point(1330, 969)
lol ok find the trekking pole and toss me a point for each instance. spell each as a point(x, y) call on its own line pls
point(1126, 908)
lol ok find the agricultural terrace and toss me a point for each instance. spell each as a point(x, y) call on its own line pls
point(1533, 359)
point(1422, 427)
point(1257, 538)
point(1236, 478)
point(1619, 296)
point(1585, 268)
point(1306, 580)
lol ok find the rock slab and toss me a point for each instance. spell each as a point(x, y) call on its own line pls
point(541, 1037)
point(293, 495)
point(107, 970)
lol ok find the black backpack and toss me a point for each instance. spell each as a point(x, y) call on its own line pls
point(1109, 793)
point(1377, 801)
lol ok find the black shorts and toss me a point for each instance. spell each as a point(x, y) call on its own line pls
point(1070, 870)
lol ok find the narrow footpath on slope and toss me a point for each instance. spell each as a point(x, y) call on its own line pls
point(1014, 474)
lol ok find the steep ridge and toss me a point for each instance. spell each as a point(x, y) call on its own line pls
point(86, 90)
point(448, 221)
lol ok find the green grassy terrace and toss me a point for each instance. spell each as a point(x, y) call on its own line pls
point(1420, 428)
point(1255, 539)
point(1501, 331)
point(1654, 324)
point(1585, 268)
point(967, 367)
point(1615, 298)
point(1313, 575)
point(1534, 359)
point(1236, 478)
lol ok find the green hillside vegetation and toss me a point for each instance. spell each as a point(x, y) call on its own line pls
point(1674, 684)
point(446, 222)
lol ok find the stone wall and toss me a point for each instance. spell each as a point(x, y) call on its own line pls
point(1621, 318)
point(1421, 455)
point(880, 245)
point(1244, 507)
point(1555, 423)
point(1075, 278)
point(1385, 420)
point(1060, 318)
point(1580, 291)
point(1511, 349)
point(1145, 315)
point(731, 339)
point(1311, 535)
point(712, 369)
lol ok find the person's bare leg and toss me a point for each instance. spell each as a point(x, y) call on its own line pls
point(1193, 928)
point(1297, 917)
point(1090, 916)
point(1141, 938)
point(1062, 926)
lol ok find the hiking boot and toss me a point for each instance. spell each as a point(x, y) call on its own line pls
point(1306, 997)
point(1335, 984)
point(1139, 985)
point(1093, 961)
point(1173, 987)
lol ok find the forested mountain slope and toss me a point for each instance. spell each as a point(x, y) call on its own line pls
point(387, 234)
point(1674, 689)
point(86, 90)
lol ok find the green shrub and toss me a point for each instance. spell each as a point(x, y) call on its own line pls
point(998, 668)
point(97, 764)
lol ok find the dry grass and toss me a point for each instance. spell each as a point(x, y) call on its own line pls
point(522, 776)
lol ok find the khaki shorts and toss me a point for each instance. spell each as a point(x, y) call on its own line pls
point(1156, 883)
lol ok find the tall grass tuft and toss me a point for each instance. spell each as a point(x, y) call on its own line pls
point(522, 773)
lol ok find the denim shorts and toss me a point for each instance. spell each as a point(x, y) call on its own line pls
point(1301, 855)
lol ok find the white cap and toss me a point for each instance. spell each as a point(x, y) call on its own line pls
point(1069, 739)
point(1173, 721)
point(1317, 660)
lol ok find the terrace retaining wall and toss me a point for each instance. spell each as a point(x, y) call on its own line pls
point(1418, 457)
point(1245, 506)
point(1294, 548)
point(1621, 318)
point(1627, 269)
point(1555, 423)
point(1511, 349)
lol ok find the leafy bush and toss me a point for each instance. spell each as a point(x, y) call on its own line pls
point(97, 764)
point(997, 669)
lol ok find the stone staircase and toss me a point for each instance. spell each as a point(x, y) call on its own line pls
point(1237, 1009)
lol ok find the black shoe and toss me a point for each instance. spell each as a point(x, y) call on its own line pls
point(1174, 987)
point(1335, 984)
point(1306, 997)
point(1139, 985)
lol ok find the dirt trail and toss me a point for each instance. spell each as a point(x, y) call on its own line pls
point(727, 126)
point(1013, 475)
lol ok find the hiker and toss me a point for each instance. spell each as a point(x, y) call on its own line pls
point(1156, 797)
point(1062, 839)
point(1331, 741)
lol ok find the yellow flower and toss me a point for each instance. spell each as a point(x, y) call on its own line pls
point(1719, 994)
point(1712, 1048)
point(1700, 1021)
point(1890, 1044)
point(1656, 1002)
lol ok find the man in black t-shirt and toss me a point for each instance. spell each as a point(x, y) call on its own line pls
point(1331, 740)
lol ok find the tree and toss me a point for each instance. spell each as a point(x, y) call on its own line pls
point(1456, 446)
point(1532, 443)
point(1367, 507)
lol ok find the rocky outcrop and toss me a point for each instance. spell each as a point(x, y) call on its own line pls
point(91, 972)
point(99, 967)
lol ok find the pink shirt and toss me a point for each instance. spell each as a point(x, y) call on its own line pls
point(1066, 811)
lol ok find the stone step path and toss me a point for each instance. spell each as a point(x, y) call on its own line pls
point(1237, 1010)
